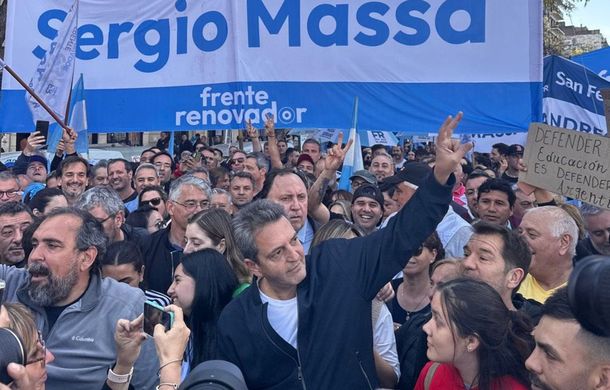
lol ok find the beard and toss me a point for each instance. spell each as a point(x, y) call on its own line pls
point(55, 290)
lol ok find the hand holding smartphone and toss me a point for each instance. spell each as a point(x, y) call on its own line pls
point(155, 314)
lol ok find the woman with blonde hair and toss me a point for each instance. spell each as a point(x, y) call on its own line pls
point(20, 320)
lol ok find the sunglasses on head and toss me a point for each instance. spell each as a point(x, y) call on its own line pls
point(153, 201)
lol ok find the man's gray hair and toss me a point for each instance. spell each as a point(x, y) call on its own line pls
point(250, 220)
point(145, 166)
point(562, 223)
point(8, 175)
point(175, 190)
point(104, 197)
point(220, 191)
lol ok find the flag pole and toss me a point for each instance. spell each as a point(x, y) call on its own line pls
point(34, 95)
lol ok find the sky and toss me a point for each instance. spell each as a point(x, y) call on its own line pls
point(595, 15)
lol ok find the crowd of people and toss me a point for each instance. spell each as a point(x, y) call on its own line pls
point(432, 271)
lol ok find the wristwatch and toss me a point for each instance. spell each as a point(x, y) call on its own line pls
point(116, 378)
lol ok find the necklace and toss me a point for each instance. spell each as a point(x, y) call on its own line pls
point(416, 308)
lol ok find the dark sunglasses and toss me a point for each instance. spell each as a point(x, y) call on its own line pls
point(153, 201)
point(418, 251)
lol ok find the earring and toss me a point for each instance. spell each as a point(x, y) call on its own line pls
point(469, 349)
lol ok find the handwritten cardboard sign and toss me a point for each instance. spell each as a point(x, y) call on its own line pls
point(568, 162)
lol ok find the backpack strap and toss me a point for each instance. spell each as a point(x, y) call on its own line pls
point(430, 375)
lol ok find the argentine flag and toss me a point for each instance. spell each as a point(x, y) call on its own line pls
point(78, 116)
point(353, 158)
point(53, 77)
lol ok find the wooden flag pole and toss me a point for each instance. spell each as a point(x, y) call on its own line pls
point(35, 96)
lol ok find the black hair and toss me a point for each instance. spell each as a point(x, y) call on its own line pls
point(139, 217)
point(123, 252)
point(127, 164)
point(70, 160)
point(215, 283)
point(498, 185)
point(501, 147)
point(43, 198)
point(474, 308)
point(12, 208)
point(515, 251)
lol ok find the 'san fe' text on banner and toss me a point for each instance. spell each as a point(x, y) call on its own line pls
point(568, 162)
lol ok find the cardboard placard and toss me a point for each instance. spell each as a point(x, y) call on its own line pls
point(568, 162)
point(606, 96)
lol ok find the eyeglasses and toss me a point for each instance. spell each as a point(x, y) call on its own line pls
point(238, 160)
point(42, 358)
point(105, 219)
point(10, 194)
point(153, 201)
point(191, 205)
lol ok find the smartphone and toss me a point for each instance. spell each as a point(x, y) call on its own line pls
point(197, 155)
point(155, 314)
point(43, 128)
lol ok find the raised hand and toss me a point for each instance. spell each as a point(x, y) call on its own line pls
point(250, 130)
point(336, 154)
point(128, 337)
point(269, 125)
point(449, 152)
point(171, 344)
point(34, 141)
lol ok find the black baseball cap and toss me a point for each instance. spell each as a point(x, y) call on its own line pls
point(414, 173)
point(369, 191)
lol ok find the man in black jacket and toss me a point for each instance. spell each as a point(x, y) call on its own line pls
point(306, 322)
point(162, 250)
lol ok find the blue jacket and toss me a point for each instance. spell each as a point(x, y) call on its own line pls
point(335, 337)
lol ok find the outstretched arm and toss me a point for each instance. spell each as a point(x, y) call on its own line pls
point(274, 151)
point(253, 134)
point(333, 162)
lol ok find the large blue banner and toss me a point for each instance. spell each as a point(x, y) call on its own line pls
point(572, 96)
point(186, 65)
point(598, 61)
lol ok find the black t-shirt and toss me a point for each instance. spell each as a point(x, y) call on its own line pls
point(510, 179)
point(399, 315)
point(53, 312)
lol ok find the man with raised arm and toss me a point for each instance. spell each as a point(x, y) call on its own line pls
point(305, 322)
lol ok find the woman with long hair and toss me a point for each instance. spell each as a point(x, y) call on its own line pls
point(212, 229)
point(203, 285)
point(474, 341)
point(20, 320)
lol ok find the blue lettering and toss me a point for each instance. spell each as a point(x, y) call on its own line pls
point(404, 18)
point(159, 49)
point(340, 15)
point(290, 10)
point(114, 32)
point(45, 29)
point(182, 46)
point(365, 19)
point(88, 35)
point(475, 32)
point(222, 31)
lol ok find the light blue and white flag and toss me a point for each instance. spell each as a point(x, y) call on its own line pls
point(353, 158)
point(53, 77)
point(78, 116)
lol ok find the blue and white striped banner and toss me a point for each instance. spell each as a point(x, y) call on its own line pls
point(187, 65)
